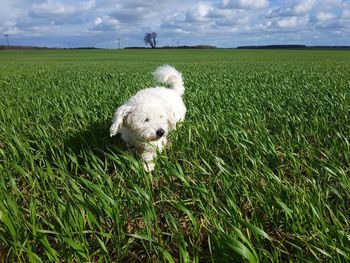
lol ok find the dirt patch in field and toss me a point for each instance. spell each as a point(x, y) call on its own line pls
point(2, 145)
point(3, 254)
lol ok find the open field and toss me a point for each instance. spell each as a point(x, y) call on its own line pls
point(258, 172)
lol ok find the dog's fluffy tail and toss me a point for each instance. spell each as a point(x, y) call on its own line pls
point(169, 75)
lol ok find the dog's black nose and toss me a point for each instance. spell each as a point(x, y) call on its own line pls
point(160, 132)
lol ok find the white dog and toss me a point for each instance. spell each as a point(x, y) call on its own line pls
point(145, 120)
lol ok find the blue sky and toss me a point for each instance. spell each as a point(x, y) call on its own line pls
point(223, 23)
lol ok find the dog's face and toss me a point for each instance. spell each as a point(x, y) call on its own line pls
point(148, 122)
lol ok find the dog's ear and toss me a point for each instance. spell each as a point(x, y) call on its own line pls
point(171, 119)
point(119, 118)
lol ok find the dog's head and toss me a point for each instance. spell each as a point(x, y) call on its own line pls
point(148, 122)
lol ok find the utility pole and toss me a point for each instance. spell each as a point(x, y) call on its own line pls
point(7, 39)
point(119, 43)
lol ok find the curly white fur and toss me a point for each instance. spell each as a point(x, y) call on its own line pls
point(145, 120)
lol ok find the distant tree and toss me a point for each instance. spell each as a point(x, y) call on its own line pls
point(150, 38)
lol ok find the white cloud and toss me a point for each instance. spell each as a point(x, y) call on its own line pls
point(52, 8)
point(288, 22)
point(244, 4)
point(303, 7)
point(199, 13)
point(346, 14)
point(106, 23)
point(293, 9)
point(9, 27)
point(234, 18)
point(325, 16)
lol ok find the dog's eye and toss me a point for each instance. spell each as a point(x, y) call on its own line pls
point(146, 120)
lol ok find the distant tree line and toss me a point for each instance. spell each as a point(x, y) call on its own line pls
point(151, 39)
point(22, 48)
point(196, 47)
point(293, 47)
point(178, 47)
point(38, 48)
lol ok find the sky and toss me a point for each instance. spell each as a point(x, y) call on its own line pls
point(222, 23)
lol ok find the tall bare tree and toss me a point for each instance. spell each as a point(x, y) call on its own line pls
point(150, 38)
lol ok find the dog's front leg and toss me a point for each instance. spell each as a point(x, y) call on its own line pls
point(148, 159)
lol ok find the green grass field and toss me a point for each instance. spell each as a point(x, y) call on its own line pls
point(258, 172)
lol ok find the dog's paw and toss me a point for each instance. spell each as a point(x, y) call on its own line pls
point(148, 166)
